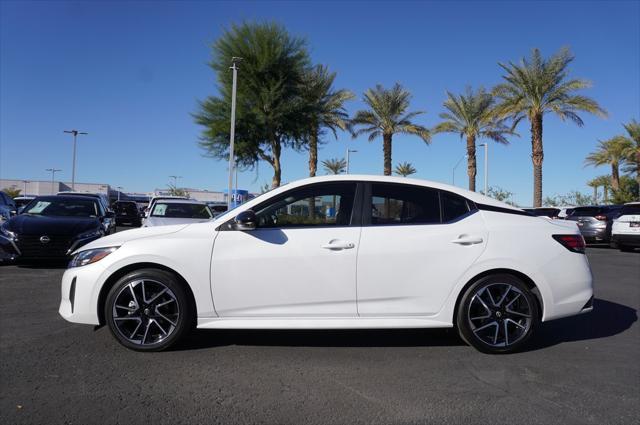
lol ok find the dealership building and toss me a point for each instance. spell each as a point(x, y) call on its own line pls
point(44, 187)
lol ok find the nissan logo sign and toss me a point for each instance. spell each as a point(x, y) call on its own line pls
point(45, 239)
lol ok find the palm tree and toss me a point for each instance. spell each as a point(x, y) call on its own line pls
point(325, 109)
point(335, 165)
point(405, 169)
point(537, 86)
point(632, 161)
point(471, 115)
point(387, 115)
point(610, 152)
point(601, 181)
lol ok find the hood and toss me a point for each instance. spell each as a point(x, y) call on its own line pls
point(32, 224)
point(119, 238)
point(164, 221)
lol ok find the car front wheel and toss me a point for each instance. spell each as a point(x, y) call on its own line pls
point(497, 314)
point(148, 310)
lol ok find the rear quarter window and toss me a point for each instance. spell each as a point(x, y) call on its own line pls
point(453, 206)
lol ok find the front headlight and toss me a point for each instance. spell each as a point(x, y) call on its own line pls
point(90, 256)
point(92, 234)
point(7, 233)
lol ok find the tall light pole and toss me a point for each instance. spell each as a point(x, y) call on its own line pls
point(453, 172)
point(119, 190)
point(73, 171)
point(53, 172)
point(486, 168)
point(348, 152)
point(232, 160)
point(25, 187)
point(175, 181)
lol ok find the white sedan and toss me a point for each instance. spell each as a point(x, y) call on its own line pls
point(337, 252)
point(177, 211)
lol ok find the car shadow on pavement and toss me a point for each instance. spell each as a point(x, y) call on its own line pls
point(202, 338)
point(607, 319)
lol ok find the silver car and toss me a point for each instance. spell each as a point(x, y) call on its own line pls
point(177, 211)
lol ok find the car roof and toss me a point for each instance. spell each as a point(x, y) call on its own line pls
point(182, 201)
point(66, 197)
point(473, 196)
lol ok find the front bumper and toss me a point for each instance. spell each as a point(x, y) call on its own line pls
point(79, 299)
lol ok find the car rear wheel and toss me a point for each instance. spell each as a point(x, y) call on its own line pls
point(148, 310)
point(625, 248)
point(497, 314)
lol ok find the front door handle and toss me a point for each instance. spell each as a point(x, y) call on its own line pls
point(467, 240)
point(337, 244)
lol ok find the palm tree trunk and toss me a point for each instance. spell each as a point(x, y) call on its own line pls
point(313, 167)
point(313, 153)
point(537, 156)
point(595, 195)
point(471, 162)
point(277, 168)
point(615, 177)
point(386, 149)
point(606, 195)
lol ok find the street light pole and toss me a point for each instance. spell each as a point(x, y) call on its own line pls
point(53, 176)
point(119, 190)
point(486, 168)
point(25, 186)
point(175, 181)
point(73, 170)
point(453, 172)
point(348, 152)
point(232, 160)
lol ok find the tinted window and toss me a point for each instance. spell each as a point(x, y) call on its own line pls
point(126, 208)
point(3, 201)
point(631, 209)
point(586, 211)
point(403, 204)
point(328, 204)
point(453, 206)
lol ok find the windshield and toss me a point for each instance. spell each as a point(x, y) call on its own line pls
point(126, 207)
point(62, 207)
point(177, 210)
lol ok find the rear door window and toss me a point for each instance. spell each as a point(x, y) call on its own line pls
point(404, 204)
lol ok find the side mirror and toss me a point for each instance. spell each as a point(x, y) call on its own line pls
point(246, 220)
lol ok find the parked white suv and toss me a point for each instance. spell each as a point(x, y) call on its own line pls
point(625, 232)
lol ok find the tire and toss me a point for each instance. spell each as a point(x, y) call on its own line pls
point(153, 320)
point(491, 305)
point(624, 248)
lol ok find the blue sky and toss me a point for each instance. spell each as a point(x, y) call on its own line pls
point(131, 73)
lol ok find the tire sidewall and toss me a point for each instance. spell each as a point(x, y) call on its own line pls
point(170, 281)
point(464, 327)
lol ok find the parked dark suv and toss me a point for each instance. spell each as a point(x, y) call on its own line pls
point(127, 213)
point(595, 222)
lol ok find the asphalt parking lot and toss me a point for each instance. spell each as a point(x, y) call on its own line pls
point(580, 370)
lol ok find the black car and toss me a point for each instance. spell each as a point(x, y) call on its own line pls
point(127, 213)
point(52, 227)
point(109, 223)
point(595, 222)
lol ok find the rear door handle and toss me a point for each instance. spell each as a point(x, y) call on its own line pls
point(337, 244)
point(468, 240)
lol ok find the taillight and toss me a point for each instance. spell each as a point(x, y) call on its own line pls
point(601, 217)
point(574, 243)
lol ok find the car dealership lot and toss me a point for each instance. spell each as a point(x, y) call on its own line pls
point(582, 369)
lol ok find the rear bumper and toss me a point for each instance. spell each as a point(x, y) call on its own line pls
point(626, 240)
point(594, 234)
